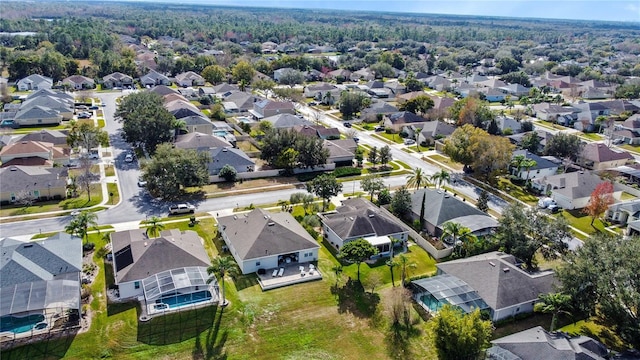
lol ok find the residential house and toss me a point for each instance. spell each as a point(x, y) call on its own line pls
point(55, 137)
point(239, 102)
point(617, 107)
point(362, 74)
point(35, 182)
point(403, 98)
point(189, 93)
point(162, 270)
point(236, 158)
point(198, 124)
point(164, 90)
point(438, 83)
point(40, 280)
point(79, 82)
point(515, 90)
point(537, 343)
point(62, 106)
point(341, 152)
point(397, 121)
point(396, 87)
point(339, 74)
point(319, 90)
point(543, 166)
point(117, 80)
point(200, 142)
point(287, 121)
point(280, 73)
point(492, 281)
point(629, 131)
point(571, 190)
point(566, 115)
point(154, 78)
point(441, 207)
point(588, 113)
point(206, 91)
point(181, 109)
point(598, 156)
point(34, 82)
point(542, 135)
point(376, 111)
point(264, 240)
point(433, 130)
point(189, 78)
point(623, 212)
point(266, 108)
point(49, 153)
point(317, 131)
point(358, 218)
point(505, 123)
point(37, 115)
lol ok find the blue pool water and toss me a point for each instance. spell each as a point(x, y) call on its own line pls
point(220, 133)
point(19, 324)
point(185, 299)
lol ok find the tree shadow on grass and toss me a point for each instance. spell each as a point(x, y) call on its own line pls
point(245, 281)
point(177, 327)
point(213, 342)
point(352, 298)
point(49, 347)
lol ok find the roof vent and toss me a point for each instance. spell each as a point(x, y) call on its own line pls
point(371, 215)
point(235, 217)
point(224, 149)
point(28, 246)
point(266, 217)
point(505, 269)
point(145, 243)
point(270, 223)
point(351, 218)
point(13, 168)
point(492, 263)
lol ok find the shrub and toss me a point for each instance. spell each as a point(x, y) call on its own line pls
point(88, 246)
point(347, 171)
point(304, 177)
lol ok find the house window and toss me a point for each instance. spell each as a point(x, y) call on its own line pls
point(39, 121)
point(257, 263)
point(36, 194)
point(13, 197)
point(136, 285)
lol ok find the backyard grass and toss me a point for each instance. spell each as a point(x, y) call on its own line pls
point(27, 130)
point(582, 222)
point(246, 146)
point(516, 191)
point(595, 328)
point(327, 319)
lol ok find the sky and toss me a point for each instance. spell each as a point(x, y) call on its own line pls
point(616, 10)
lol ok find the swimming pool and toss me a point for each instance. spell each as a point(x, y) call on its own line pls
point(185, 299)
point(19, 325)
point(245, 119)
point(220, 133)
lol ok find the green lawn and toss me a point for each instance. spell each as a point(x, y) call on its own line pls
point(591, 136)
point(595, 328)
point(109, 170)
point(101, 123)
point(391, 137)
point(582, 222)
point(516, 191)
point(81, 201)
point(327, 319)
point(446, 161)
point(27, 130)
point(112, 188)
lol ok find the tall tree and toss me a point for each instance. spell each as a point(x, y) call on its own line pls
point(214, 74)
point(221, 267)
point(564, 146)
point(87, 135)
point(417, 178)
point(351, 103)
point(405, 263)
point(458, 335)
point(483, 201)
point(602, 279)
point(385, 155)
point(441, 177)
point(471, 110)
point(523, 232)
point(373, 157)
point(555, 304)
point(358, 251)
point(401, 202)
point(154, 226)
point(601, 198)
point(243, 72)
point(372, 183)
point(145, 120)
point(325, 186)
point(459, 146)
point(80, 225)
point(418, 105)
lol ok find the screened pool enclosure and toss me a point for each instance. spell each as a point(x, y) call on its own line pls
point(435, 292)
point(180, 287)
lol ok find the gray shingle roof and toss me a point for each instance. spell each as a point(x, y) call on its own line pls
point(441, 207)
point(200, 141)
point(222, 156)
point(53, 258)
point(360, 218)
point(137, 257)
point(15, 178)
point(498, 280)
point(537, 343)
point(261, 233)
point(286, 120)
point(541, 163)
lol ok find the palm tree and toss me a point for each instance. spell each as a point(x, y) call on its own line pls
point(179, 125)
point(517, 162)
point(221, 267)
point(327, 98)
point(405, 263)
point(417, 178)
point(154, 226)
point(441, 177)
point(554, 303)
point(391, 264)
point(526, 165)
point(456, 232)
point(79, 226)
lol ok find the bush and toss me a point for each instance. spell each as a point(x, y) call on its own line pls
point(88, 246)
point(304, 177)
point(347, 171)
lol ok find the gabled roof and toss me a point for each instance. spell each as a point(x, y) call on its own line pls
point(286, 120)
point(189, 75)
point(405, 117)
point(431, 129)
point(53, 258)
point(599, 152)
point(137, 257)
point(380, 107)
point(537, 343)
point(358, 218)
point(196, 120)
point(267, 104)
point(499, 280)
point(49, 136)
point(237, 158)
point(541, 163)
point(573, 185)
point(260, 233)
point(26, 147)
point(36, 79)
point(225, 87)
point(16, 178)
point(321, 87)
point(117, 76)
point(78, 79)
point(163, 90)
point(153, 76)
point(34, 112)
point(441, 207)
point(199, 141)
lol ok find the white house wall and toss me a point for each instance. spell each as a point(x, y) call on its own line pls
point(526, 307)
point(128, 289)
point(538, 173)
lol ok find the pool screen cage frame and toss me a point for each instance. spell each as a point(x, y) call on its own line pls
point(172, 282)
point(448, 289)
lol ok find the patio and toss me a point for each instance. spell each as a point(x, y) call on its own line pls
point(289, 274)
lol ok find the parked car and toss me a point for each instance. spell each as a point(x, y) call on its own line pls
point(347, 124)
point(128, 158)
point(181, 209)
point(554, 209)
point(94, 108)
point(544, 203)
point(409, 141)
point(9, 124)
point(84, 115)
point(141, 182)
point(379, 128)
point(356, 139)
